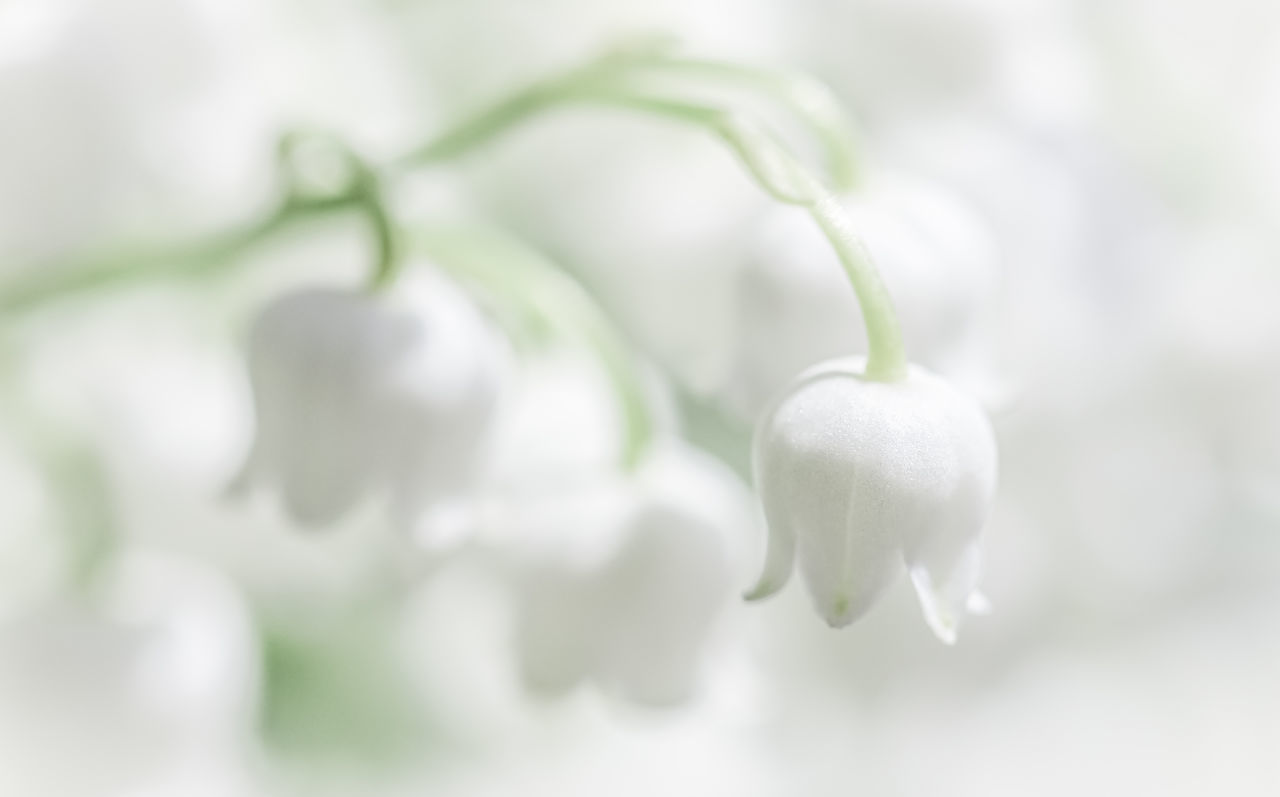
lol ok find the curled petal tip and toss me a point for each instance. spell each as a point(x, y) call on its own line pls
point(840, 614)
point(778, 561)
point(761, 591)
point(938, 611)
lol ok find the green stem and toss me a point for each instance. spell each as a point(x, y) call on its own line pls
point(357, 183)
point(387, 260)
point(768, 163)
point(602, 82)
point(30, 290)
point(609, 76)
point(487, 125)
point(781, 176)
point(499, 265)
point(886, 357)
point(540, 96)
point(809, 99)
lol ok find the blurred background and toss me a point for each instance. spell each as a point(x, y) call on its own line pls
point(1076, 205)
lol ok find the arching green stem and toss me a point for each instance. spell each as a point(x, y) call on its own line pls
point(503, 267)
point(351, 179)
point(785, 179)
point(619, 71)
point(603, 81)
point(886, 357)
point(558, 90)
point(386, 245)
point(55, 281)
point(807, 98)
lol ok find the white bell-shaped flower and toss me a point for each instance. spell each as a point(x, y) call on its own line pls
point(794, 308)
point(858, 477)
point(624, 585)
point(636, 622)
point(157, 674)
point(359, 394)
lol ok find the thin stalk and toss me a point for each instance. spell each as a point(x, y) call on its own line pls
point(808, 98)
point(29, 291)
point(781, 176)
point(499, 264)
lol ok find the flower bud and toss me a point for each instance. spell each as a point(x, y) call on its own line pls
point(359, 394)
point(858, 477)
point(625, 586)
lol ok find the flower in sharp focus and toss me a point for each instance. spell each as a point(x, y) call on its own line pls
point(859, 477)
point(359, 395)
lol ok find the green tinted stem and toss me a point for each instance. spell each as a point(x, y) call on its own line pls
point(781, 176)
point(500, 265)
point(543, 95)
point(29, 291)
point(809, 99)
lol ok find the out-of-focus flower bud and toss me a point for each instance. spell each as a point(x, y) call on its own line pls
point(858, 476)
point(156, 678)
point(625, 588)
point(358, 394)
point(795, 309)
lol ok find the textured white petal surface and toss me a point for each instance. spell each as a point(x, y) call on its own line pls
point(861, 475)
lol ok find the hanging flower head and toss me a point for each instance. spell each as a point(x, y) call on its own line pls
point(359, 394)
point(861, 477)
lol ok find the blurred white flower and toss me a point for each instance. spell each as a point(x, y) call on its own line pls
point(358, 394)
point(102, 697)
point(625, 587)
point(794, 307)
point(857, 475)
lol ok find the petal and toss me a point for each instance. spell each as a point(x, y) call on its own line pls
point(556, 630)
point(240, 484)
point(662, 596)
point(325, 466)
point(847, 573)
point(780, 554)
point(309, 373)
point(961, 478)
point(823, 498)
point(944, 601)
point(779, 561)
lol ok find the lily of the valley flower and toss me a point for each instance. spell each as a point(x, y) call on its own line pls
point(638, 622)
point(359, 394)
point(860, 477)
point(625, 587)
point(152, 685)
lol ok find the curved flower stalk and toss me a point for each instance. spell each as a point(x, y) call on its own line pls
point(794, 310)
point(860, 477)
point(360, 395)
point(624, 586)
